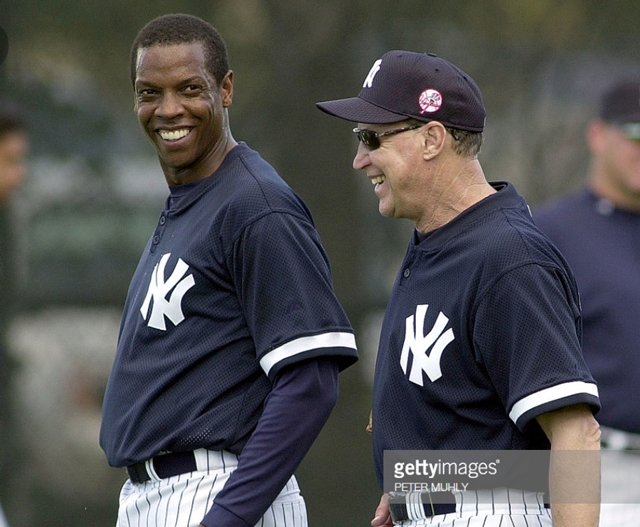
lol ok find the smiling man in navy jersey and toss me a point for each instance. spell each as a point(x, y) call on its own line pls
point(232, 337)
point(480, 344)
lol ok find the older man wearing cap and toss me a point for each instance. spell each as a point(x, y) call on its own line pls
point(597, 228)
point(480, 344)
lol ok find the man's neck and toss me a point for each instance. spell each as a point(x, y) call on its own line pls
point(463, 192)
point(621, 198)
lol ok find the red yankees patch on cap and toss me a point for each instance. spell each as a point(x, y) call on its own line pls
point(430, 101)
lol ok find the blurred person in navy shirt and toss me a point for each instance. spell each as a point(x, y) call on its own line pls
point(597, 229)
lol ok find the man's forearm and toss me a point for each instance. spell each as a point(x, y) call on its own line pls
point(574, 473)
point(295, 412)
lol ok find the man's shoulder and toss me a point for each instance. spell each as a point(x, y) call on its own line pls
point(509, 238)
point(252, 189)
point(257, 178)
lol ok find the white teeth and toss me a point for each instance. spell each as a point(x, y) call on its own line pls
point(173, 135)
point(377, 180)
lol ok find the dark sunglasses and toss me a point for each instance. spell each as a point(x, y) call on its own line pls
point(371, 139)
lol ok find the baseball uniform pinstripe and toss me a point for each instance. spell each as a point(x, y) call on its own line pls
point(491, 508)
point(185, 499)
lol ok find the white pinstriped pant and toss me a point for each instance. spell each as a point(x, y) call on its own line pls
point(184, 500)
point(491, 508)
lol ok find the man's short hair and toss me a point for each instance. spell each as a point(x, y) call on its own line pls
point(465, 143)
point(175, 29)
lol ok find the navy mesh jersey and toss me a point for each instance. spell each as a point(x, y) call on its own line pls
point(233, 285)
point(602, 245)
point(481, 335)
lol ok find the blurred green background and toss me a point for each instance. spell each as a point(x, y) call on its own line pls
point(95, 190)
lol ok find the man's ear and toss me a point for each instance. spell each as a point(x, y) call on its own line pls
point(226, 89)
point(434, 135)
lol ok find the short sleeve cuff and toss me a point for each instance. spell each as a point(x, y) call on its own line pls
point(554, 398)
point(305, 347)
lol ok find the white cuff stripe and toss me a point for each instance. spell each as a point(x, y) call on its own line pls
point(551, 394)
point(295, 347)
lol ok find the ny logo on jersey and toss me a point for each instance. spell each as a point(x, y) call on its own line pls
point(416, 342)
point(159, 289)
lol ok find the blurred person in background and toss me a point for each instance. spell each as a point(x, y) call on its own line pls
point(14, 147)
point(597, 229)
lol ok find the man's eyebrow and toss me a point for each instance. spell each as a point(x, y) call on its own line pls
point(196, 78)
point(147, 84)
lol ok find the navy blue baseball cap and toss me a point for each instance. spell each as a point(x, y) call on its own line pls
point(620, 105)
point(408, 85)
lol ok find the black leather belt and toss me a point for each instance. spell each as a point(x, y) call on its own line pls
point(399, 511)
point(443, 504)
point(164, 465)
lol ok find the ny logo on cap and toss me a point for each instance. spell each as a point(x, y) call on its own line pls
point(368, 82)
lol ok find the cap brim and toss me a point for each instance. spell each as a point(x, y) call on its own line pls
point(358, 110)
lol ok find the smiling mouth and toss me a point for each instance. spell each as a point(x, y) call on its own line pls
point(378, 180)
point(173, 135)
